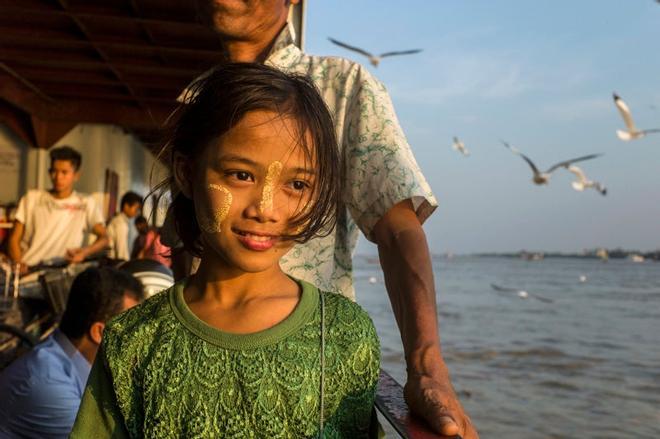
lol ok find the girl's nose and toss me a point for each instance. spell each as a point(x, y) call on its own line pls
point(263, 206)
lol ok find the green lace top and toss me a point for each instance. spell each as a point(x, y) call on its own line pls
point(163, 372)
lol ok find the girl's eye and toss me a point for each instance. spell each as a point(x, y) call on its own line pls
point(299, 185)
point(241, 175)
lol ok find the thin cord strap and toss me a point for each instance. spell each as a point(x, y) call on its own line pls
point(322, 388)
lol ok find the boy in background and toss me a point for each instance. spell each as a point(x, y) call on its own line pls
point(53, 224)
point(118, 229)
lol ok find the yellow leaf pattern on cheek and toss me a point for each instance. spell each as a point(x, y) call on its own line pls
point(213, 224)
point(272, 175)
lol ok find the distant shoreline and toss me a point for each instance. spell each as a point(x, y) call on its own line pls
point(603, 254)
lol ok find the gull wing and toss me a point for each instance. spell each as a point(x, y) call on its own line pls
point(566, 163)
point(400, 52)
point(578, 173)
point(349, 47)
point(541, 298)
point(527, 159)
point(625, 113)
point(503, 289)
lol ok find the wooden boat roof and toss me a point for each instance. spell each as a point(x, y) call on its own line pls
point(122, 62)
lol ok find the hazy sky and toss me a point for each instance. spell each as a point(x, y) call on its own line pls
point(539, 74)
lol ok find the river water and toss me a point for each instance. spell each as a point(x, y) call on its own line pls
point(585, 366)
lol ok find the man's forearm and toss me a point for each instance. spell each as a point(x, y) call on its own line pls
point(406, 263)
point(14, 251)
point(100, 244)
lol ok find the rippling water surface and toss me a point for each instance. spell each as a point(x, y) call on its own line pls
point(585, 366)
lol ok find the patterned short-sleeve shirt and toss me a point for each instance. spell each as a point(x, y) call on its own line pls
point(381, 170)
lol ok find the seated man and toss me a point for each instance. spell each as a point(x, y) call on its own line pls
point(41, 391)
point(54, 224)
point(119, 226)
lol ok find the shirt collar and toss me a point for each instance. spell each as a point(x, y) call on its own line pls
point(80, 363)
point(284, 48)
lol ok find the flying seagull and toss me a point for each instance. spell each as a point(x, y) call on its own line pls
point(632, 132)
point(520, 293)
point(460, 147)
point(583, 182)
point(374, 59)
point(544, 177)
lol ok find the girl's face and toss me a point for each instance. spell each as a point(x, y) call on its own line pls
point(247, 186)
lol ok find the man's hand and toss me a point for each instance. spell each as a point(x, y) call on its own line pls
point(23, 269)
point(75, 255)
point(406, 262)
point(434, 400)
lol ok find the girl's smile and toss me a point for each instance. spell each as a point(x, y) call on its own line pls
point(256, 241)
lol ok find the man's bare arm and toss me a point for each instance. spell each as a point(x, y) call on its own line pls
point(15, 238)
point(79, 254)
point(406, 263)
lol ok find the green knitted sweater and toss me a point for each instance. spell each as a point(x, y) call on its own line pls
point(162, 372)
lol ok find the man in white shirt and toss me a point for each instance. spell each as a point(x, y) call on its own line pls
point(55, 224)
point(118, 229)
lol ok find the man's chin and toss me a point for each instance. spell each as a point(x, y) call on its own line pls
point(230, 28)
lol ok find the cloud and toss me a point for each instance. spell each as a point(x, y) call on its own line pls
point(487, 75)
point(580, 109)
point(466, 75)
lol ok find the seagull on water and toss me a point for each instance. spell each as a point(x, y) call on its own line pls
point(583, 182)
point(374, 59)
point(521, 293)
point(544, 177)
point(460, 147)
point(632, 132)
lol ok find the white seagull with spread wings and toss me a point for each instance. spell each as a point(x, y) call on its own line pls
point(583, 182)
point(374, 59)
point(520, 293)
point(632, 132)
point(460, 147)
point(544, 177)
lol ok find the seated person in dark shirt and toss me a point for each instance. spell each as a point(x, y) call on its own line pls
point(41, 391)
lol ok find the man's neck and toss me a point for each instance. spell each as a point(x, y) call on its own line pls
point(86, 348)
point(61, 194)
point(252, 50)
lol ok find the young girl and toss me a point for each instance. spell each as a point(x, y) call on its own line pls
point(240, 349)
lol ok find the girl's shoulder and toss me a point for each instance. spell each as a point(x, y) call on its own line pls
point(347, 318)
point(142, 322)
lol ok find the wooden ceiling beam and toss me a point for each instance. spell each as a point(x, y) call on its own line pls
point(47, 133)
point(145, 29)
point(83, 110)
point(43, 58)
point(18, 122)
point(41, 39)
point(58, 76)
point(66, 95)
point(64, 4)
point(102, 17)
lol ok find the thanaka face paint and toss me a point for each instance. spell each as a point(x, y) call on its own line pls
point(213, 224)
point(272, 175)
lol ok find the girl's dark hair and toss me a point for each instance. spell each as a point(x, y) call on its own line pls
point(217, 102)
